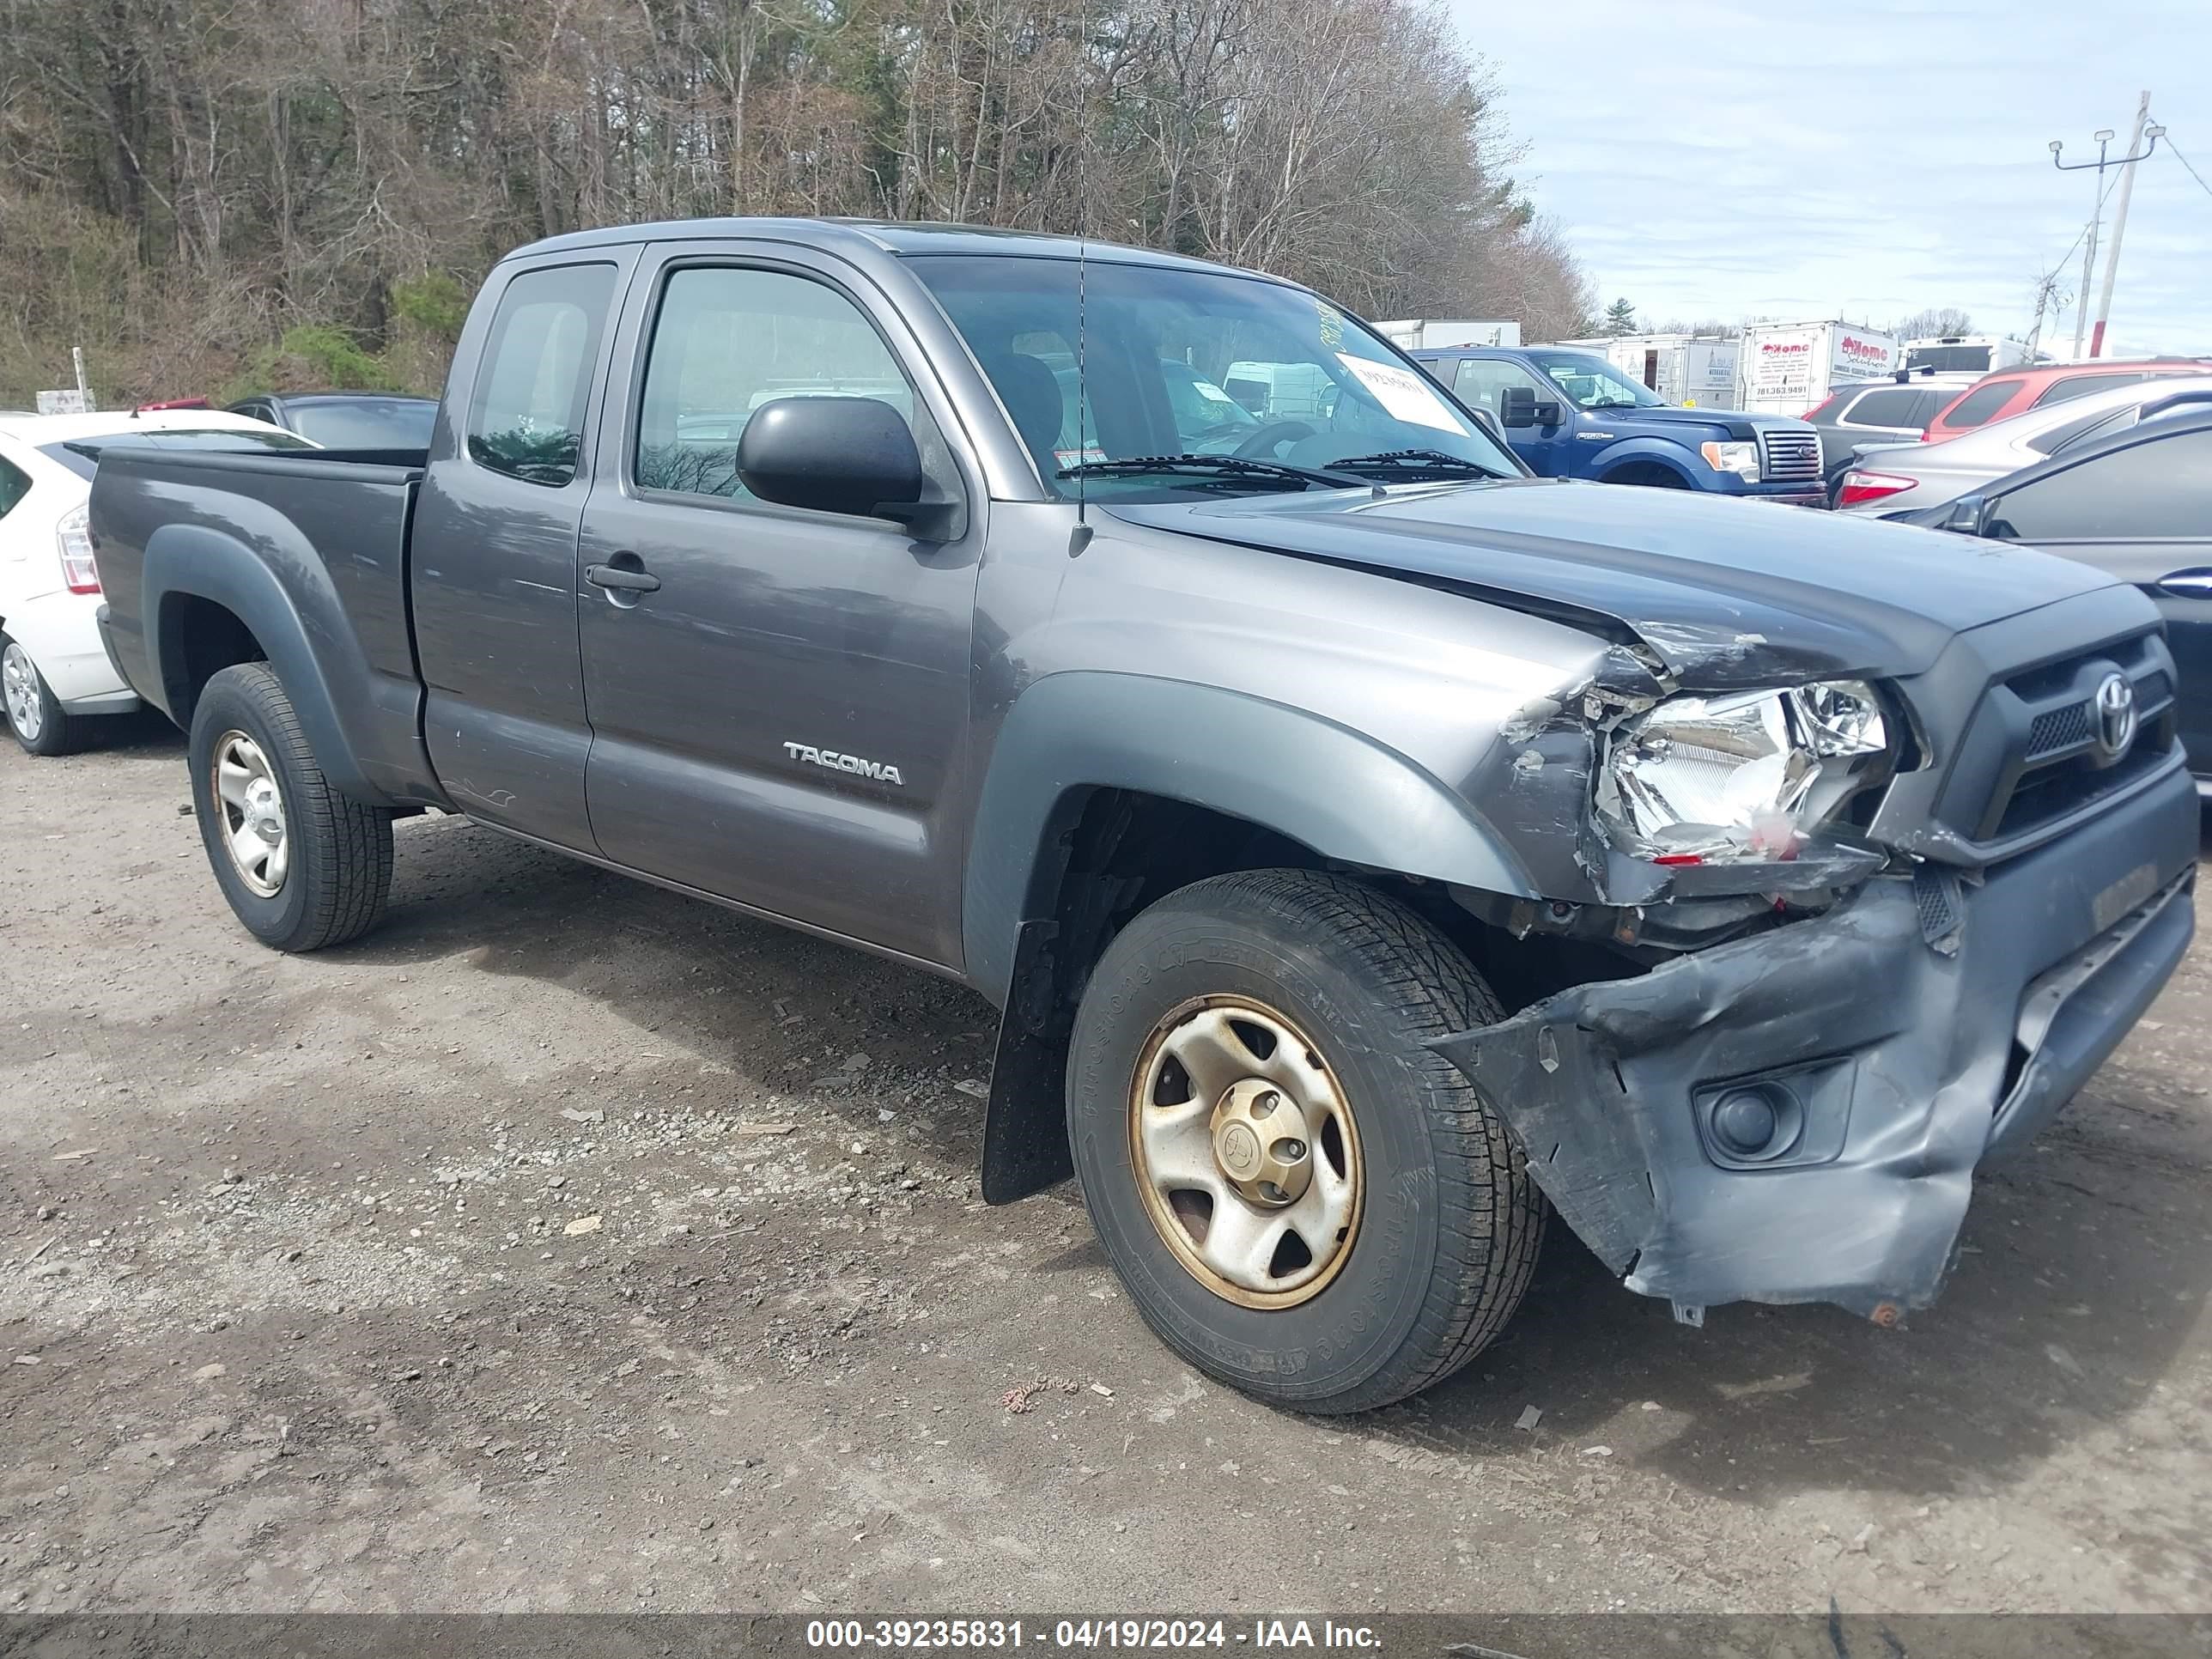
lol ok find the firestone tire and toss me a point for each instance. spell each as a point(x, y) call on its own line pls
point(1446, 1222)
point(316, 870)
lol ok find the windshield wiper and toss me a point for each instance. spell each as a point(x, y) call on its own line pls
point(1227, 469)
point(1420, 466)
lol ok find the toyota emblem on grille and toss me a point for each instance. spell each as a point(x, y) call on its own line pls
point(2115, 716)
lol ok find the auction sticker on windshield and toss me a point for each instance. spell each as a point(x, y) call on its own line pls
point(1404, 394)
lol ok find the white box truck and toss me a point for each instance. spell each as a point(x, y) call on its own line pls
point(1696, 371)
point(1788, 369)
point(1441, 333)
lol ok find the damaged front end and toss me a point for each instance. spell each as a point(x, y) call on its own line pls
point(1820, 1031)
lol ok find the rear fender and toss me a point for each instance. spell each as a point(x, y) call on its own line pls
point(191, 560)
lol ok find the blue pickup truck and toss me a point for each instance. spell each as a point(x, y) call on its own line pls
point(1572, 415)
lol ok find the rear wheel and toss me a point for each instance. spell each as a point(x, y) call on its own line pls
point(34, 716)
point(1304, 1199)
point(302, 866)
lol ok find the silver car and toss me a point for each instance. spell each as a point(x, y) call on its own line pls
point(1890, 480)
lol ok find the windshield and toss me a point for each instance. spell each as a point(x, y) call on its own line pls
point(1193, 363)
point(82, 455)
point(366, 422)
point(1593, 383)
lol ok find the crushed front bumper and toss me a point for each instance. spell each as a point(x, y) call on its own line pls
point(1919, 1027)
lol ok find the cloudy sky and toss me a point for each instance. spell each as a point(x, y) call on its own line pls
point(1720, 158)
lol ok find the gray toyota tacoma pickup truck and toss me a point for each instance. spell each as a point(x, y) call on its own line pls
point(1369, 847)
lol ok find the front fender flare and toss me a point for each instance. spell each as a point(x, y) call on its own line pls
point(192, 560)
point(1659, 452)
point(1347, 797)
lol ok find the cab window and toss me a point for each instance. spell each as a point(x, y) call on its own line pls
point(730, 339)
point(526, 414)
point(1480, 379)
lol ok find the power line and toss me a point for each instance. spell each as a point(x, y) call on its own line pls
point(2183, 160)
point(2104, 197)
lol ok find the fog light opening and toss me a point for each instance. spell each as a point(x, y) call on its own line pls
point(1755, 1122)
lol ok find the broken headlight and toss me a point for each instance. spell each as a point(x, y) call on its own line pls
point(1740, 775)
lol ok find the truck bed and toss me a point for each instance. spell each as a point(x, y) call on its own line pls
point(331, 526)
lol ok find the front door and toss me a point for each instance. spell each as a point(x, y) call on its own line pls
point(779, 698)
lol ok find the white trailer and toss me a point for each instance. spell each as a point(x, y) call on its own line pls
point(1697, 371)
point(1787, 368)
point(1442, 333)
point(1972, 354)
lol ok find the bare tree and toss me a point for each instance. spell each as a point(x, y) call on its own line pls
point(1933, 324)
point(185, 184)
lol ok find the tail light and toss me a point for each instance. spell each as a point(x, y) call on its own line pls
point(1872, 487)
point(73, 535)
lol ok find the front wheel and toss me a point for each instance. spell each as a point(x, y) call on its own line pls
point(35, 716)
point(1303, 1200)
point(302, 866)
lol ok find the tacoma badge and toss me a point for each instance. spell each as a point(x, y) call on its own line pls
point(837, 763)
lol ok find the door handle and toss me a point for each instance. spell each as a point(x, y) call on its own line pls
point(2187, 583)
point(621, 579)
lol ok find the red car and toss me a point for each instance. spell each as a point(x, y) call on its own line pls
point(2010, 391)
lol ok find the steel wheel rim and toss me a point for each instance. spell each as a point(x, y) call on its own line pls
point(1207, 1149)
point(251, 803)
point(19, 683)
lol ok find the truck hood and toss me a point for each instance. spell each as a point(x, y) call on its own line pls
point(1726, 593)
point(1671, 419)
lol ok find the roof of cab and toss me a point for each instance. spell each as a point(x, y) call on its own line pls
point(872, 235)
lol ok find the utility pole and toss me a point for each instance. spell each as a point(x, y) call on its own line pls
point(2120, 221)
point(2046, 299)
point(2103, 137)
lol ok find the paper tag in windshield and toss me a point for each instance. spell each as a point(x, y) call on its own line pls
point(1403, 393)
point(1090, 455)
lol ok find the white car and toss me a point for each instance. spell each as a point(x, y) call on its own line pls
point(54, 672)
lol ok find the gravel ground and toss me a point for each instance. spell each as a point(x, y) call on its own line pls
point(570, 1245)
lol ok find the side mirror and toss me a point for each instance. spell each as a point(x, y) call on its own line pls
point(1517, 406)
point(1550, 412)
point(1969, 515)
point(851, 455)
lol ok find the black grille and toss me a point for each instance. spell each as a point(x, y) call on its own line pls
point(2059, 728)
point(2037, 732)
point(1789, 456)
point(2054, 791)
point(1935, 895)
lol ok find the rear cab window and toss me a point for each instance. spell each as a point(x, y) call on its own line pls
point(526, 411)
